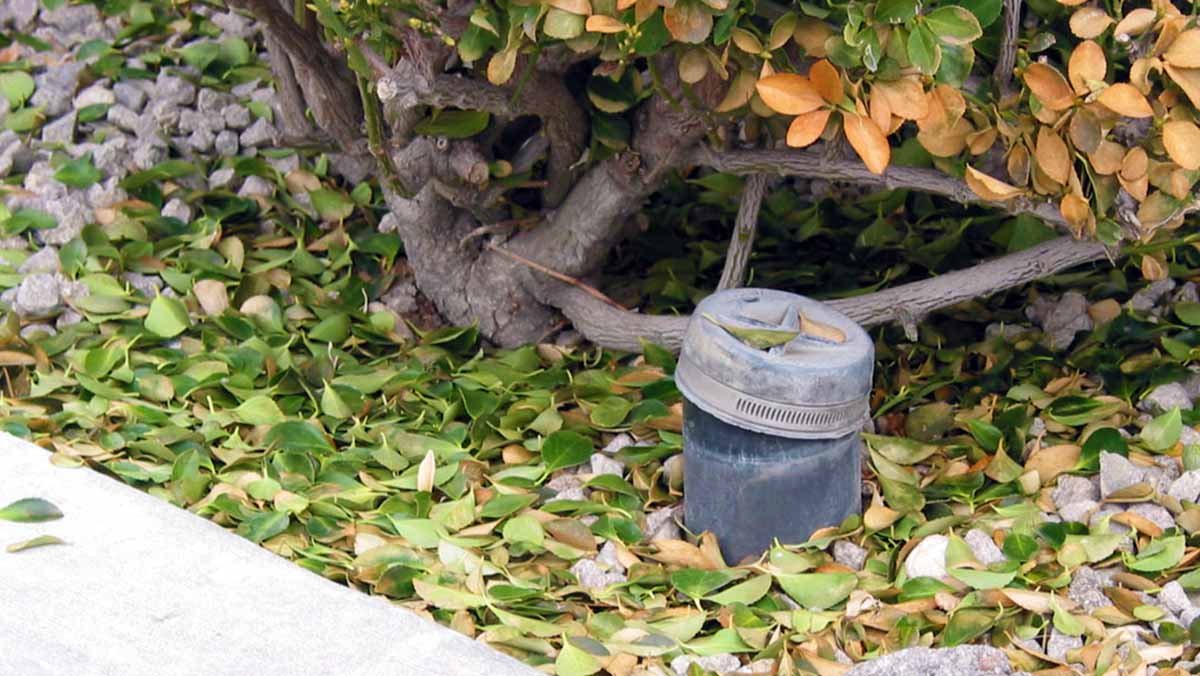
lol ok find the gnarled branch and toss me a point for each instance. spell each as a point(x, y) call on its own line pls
point(1007, 58)
point(741, 243)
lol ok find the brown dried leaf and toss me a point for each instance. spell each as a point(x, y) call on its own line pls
point(941, 142)
point(680, 553)
point(500, 67)
point(905, 97)
point(1049, 86)
point(1188, 80)
point(1135, 164)
point(827, 81)
point(807, 128)
point(1052, 155)
point(1085, 131)
point(868, 141)
point(1136, 22)
point(811, 35)
point(990, 189)
point(1018, 164)
point(1050, 461)
point(580, 7)
point(693, 65)
point(789, 94)
point(1087, 64)
point(1090, 22)
point(739, 93)
point(688, 22)
point(1152, 268)
point(1106, 160)
point(1184, 51)
point(1181, 138)
point(880, 110)
point(1125, 99)
point(425, 474)
point(599, 23)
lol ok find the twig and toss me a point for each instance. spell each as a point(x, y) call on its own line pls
point(1008, 47)
point(500, 226)
point(742, 241)
point(567, 279)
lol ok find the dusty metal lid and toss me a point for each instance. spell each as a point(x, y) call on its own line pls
point(813, 385)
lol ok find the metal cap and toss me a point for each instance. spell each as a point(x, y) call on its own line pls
point(813, 386)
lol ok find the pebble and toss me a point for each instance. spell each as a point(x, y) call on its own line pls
point(226, 143)
point(211, 102)
point(94, 95)
point(566, 487)
point(201, 140)
point(257, 134)
point(983, 547)
point(1060, 644)
point(602, 464)
point(722, 663)
point(1116, 473)
point(177, 208)
point(1061, 319)
point(61, 130)
point(23, 12)
point(1081, 511)
point(147, 155)
point(1156, 514)
point(172, 89)
point(1186, 487)
point(1166, 397)
point(1150, 296)
point(963, 660)
point(45, 260)
point(129, 95)
point(256, 185)
point(592, 576)
point(660, 525)
point(236, 116)
point(69, 317)
point(1072, 489)
point(38, 295)
point(221, 178)
point(35, 331)
point(147, 285)
point(234, 25)
point(124, 118)
point(1087, 588)
point(928, 558)
point(849, 554)
point(56, 87)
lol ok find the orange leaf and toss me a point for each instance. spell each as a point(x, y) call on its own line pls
point(1125, 99)
point(1090, 22)
point(598, 23)
point(1135, 164)
point(1052, 155)
point(1087, 64)
point(827, 81)
point(1075, 209)
point(1184, 52)
point(879, 110)
point(789, 94)
point(807, 128)
point(990, 189)
point(688, 22)
point(906, 97)
point(1188, 80)
point(1181, 138)
point(868, 141)
point(1153, 269)
point(1136, 22)
point(1049, 86)
point(811, 34)
point(739, 93)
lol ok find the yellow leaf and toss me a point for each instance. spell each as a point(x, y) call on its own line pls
point(1049, 86)
point(746, 41)
point(879, 516)
point(789, 94)
point(807, 128)
point(500, 67)
point(1052, 155)
point(693, 65)
point(1087, 64)
point(1184, 52)
point(1136, 22)
point(1076, 210)
point(827, 81)
point(1181, 138)
point(990, 189)
point(13, 358)
point(580, 7)
point(1125, 99)
point(1090, 22)
point(598, 23)
point(906, 97)
point(868, 141)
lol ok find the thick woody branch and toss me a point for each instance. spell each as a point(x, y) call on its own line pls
point(808, 164)
point(617, 329)
point(737, 259)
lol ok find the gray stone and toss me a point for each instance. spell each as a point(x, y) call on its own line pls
point(1071, 489)
point(608, 558)
point(56, 87)
point(174, 89)
point(38, 295)
point(201, 140)
point(71, 290)
point(33, 332)
point(14, 243)
point(566, 487)
point(354, 168)
point(1062, 319)
point(211, 102)
point(1081, 511)
point(45, 260)
point(1166, 397)
point(1186, 487)
point(1060, 644)
point(1156, 514)
point(177, 208)
point(1188, 436)
point(1087, 588)
point(72, 212)
point(70, 18)
point(245, 89)
point(983, 547)
point(124, 118)
point(1150, 296)
point(401, 297)
point(190, 121)
point(592, 576)
point(965, 660)
point(285, 164)
point(1116, 473)
point(1186, 294)
point(94, 95)
point(23, 12)
point(130, 96)
point(221, 178)
point(849, 554)
point(164, 112)
point(69, 317)
point(226, 143)
point(1097, 522)
point(61, 130)
point(928, 559)
point(602, 464)
point(236, 116)
point(723, 663)
point(660, 525)
point(112, 156)
point(148, 285)
point(147, 155)
point(257, 134)
point(233, 24)
point(256, 185)
point(1173, 598)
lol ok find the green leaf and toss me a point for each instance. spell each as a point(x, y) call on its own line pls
point(333, 405)
point(503, 505)
point(298, 436)
point(759, 338)
point(332, 205)
point(818, 591)
point(168, 317)
point(563, 25)
point(333, 329)
point(259, 410)
point(16, 86)
point(454, 124)
point(39, 541)
point(1188, 313)
point(263, 526)
point(24, 120)
point(954, 25)
point(923, 50)
point(30, 510)
point(574, 660)
point(525, 529)
point(565, 449)
point(25, 219)
point(1162, 553)
point(747, 592)
point(896, 11)
point(611, 412)
point(697, 583)
point(982, 579)
point(900, 450)
point(967, 624)
point(1020, 547)
point(1163, 432)
point(78, 173)
point(1066, 622)
point(986, 11)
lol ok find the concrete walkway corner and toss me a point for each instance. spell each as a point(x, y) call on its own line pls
point(146, 589)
